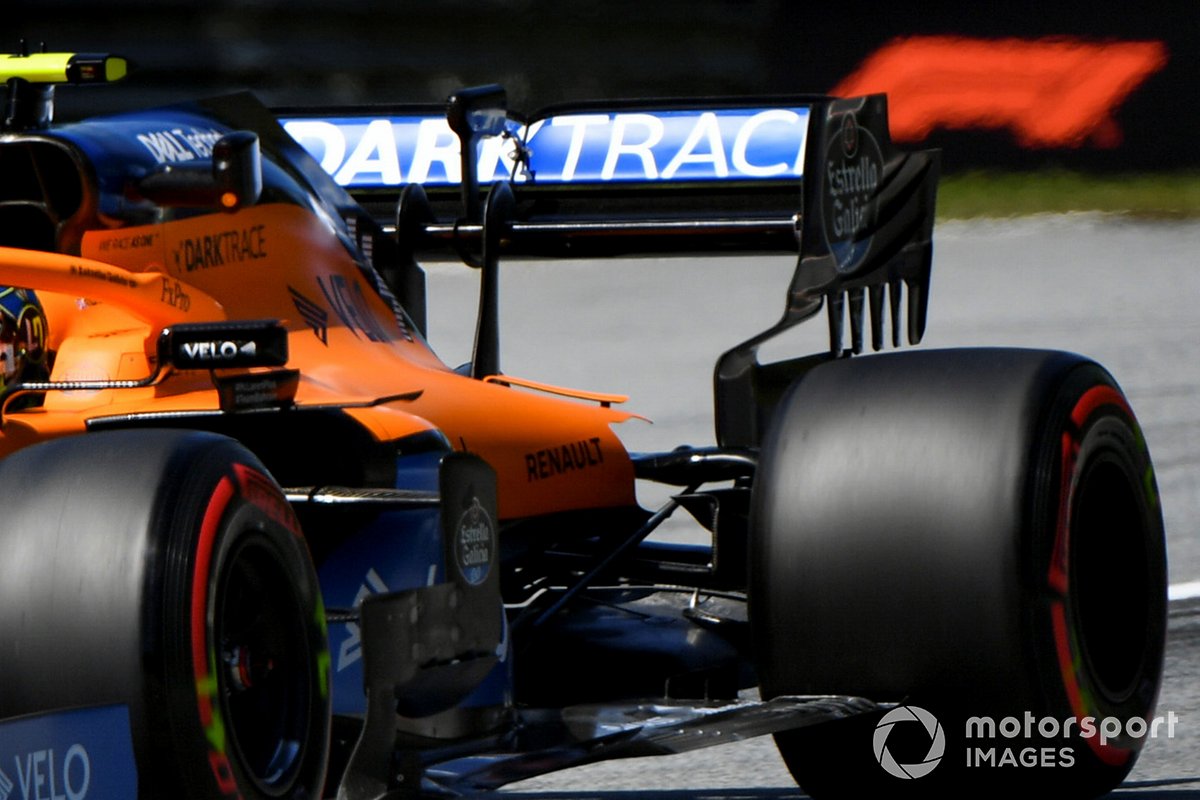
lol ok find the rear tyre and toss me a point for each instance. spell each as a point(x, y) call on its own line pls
point(165, 571)
point(972, 534)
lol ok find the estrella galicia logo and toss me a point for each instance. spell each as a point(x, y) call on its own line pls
point(475, 543)
point(853, 168)
point(933, 728)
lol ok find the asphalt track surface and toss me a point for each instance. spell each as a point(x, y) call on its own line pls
point(1123, 292)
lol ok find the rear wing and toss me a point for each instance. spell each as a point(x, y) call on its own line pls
point(589, 169)
point(811, 175)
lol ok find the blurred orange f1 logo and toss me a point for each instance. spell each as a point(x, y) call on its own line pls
point(1051, 93)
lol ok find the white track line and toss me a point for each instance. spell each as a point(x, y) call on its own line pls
point(1183, 591)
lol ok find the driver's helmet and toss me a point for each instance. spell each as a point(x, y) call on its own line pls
point(22, 336)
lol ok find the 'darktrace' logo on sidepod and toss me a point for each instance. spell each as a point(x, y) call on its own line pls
point(933, 728)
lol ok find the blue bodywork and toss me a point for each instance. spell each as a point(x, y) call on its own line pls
point(397, 550)
point(68, 755)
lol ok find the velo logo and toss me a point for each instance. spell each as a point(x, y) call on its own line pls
point(937, 742)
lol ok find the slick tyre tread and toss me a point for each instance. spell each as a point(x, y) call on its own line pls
point(164, 570)
point(970, 532)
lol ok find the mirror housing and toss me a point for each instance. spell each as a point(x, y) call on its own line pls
point(237, 169)
point(230, 180)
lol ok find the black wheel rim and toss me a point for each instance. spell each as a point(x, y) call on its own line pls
point(265, 675)
point(1110, 576)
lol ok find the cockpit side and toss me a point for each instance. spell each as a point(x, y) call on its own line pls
point(44, 200)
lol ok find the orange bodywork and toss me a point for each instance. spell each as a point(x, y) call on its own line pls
point(106, 309)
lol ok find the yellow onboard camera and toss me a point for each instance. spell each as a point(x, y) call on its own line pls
point(31, 79)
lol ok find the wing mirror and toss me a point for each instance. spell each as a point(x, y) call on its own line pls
point(230, 180)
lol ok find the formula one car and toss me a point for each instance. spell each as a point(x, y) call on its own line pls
point(259, 541)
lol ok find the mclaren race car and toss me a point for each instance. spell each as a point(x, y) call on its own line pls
point(260, 541)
